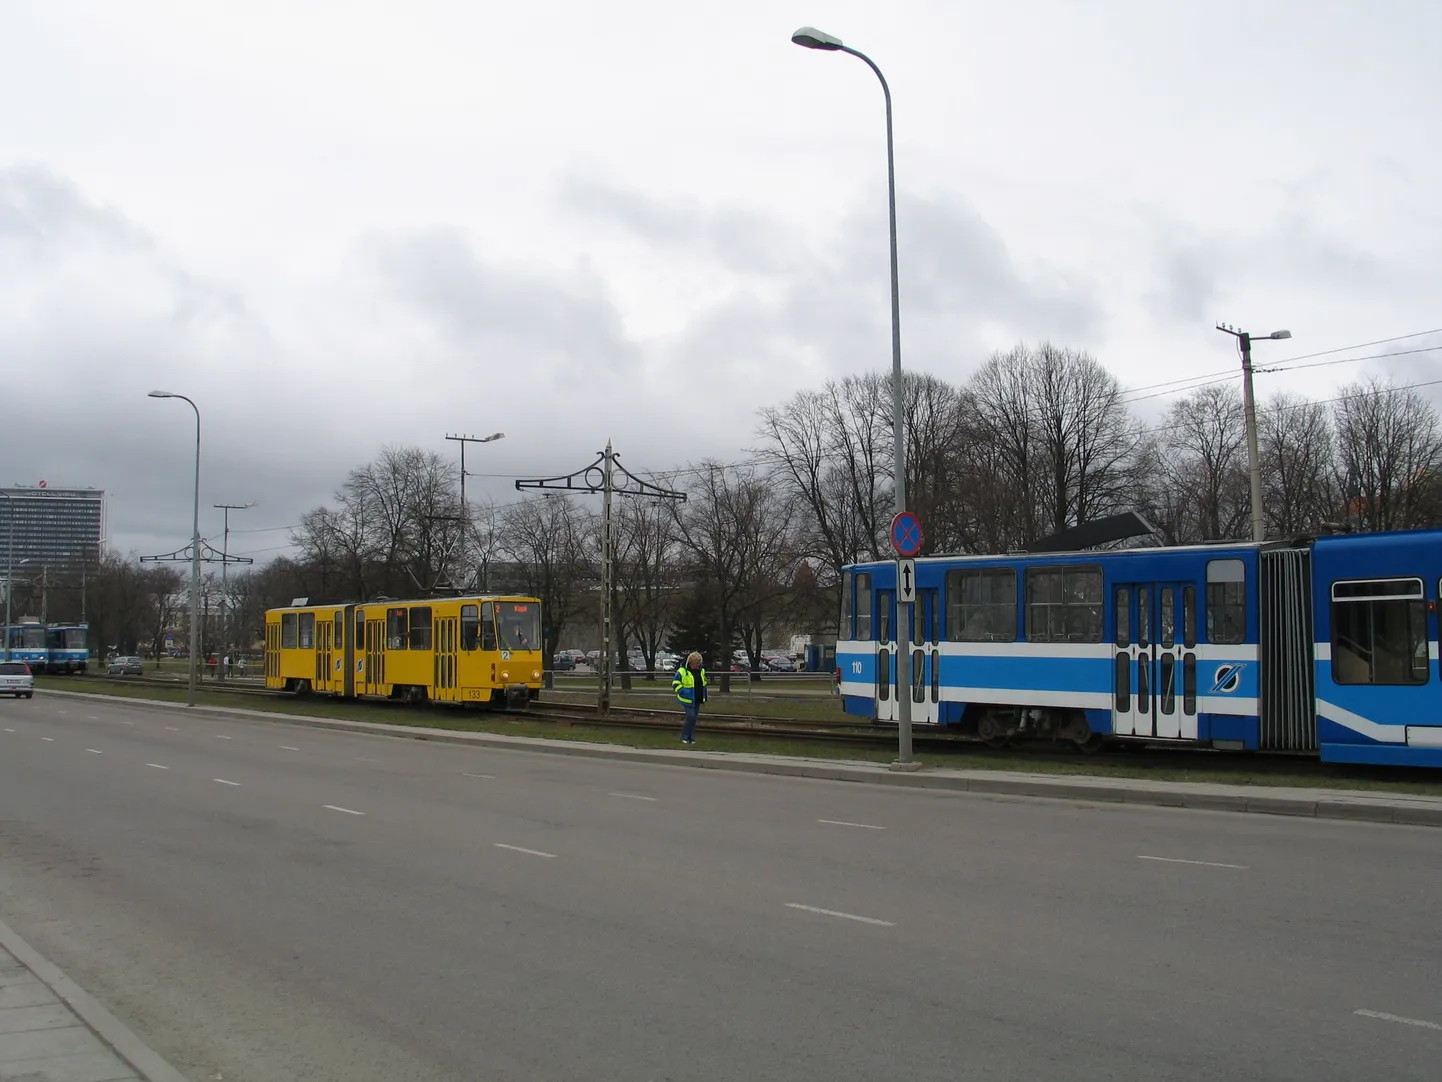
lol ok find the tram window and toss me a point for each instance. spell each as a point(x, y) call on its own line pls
point(848, 583)
point(981, 605)
point(1379, 632)
point(1064, 604)
point(360, 629)
point(396, 621)
point(488, 628)
point(307, 631)
point(420, 636)
point(470, 627)
point(340, 631)
point(1226, 601)
point(863, 607)
point(287, 631)
point(1189, 616)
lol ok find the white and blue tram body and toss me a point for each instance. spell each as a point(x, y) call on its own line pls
point(1326, 646)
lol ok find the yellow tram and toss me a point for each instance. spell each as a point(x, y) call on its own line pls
point(454, 649)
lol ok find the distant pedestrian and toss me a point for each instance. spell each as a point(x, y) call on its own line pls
point(690, 687)
point(242, 666)
point(225, 666)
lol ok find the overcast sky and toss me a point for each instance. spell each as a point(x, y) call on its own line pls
point(337, 225)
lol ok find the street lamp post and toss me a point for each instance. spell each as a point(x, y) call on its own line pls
point(811, 38)
point(9, 566)
point(194, 553)
point(1249, 405)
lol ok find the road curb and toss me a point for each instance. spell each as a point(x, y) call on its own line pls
point(1334, 804)
point(115, 1034)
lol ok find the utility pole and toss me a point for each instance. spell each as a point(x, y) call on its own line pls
point(1249, 405)
point(600, 476)
point(225, 644)
point(463, 440)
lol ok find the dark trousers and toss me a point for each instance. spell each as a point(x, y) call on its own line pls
point(688, 721)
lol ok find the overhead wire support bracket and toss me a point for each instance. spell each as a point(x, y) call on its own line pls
point(600, 476)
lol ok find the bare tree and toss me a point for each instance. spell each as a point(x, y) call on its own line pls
point(1388, 455)
point(736, 531)
point(1296, 449)
point(165, 587)
point(1204, 462)
point(545, 544)
point(645, 575)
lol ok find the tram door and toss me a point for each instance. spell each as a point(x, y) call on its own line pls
point(886, 680)
point(1155, 661)
point(925, 661)
point(345, 646)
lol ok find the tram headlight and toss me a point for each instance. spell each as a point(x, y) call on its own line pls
point(505, 675)
point(536, 675)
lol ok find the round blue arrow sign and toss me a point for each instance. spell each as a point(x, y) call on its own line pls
point(906, 534)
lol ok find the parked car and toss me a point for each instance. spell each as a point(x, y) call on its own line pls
point(563, 662)
point(16, 679)
point(125, 666)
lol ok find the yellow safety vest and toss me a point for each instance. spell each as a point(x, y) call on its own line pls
point(685, 684)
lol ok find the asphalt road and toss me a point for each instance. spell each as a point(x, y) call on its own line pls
point(266, 902)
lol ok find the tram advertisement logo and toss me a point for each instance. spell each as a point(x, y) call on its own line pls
point(1229, 678)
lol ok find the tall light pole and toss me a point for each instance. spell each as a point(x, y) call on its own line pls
point(811, 38)
point(225, 615)
point(194, 553)
point(1249, 404)
point(9, 566)
point(465, 512)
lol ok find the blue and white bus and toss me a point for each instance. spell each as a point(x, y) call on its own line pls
point(1326, 646)
point(68, 646)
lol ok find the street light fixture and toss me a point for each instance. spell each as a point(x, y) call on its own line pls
point(811, 38)
point(1249, 404)
point(194, 553)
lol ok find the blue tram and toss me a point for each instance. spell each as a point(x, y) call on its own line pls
point(68, 647)
point(1326, 646)
point(27, 644)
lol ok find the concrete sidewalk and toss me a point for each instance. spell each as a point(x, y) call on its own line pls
point(51, 1030)
point(1319, 802)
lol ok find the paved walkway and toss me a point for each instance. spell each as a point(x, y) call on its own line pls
point(42, 1039)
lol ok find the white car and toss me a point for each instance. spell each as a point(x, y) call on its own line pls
point(15, 679)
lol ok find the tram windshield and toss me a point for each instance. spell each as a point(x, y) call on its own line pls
point(518, 625)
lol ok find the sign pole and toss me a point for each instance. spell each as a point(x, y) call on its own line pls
point(906, 539)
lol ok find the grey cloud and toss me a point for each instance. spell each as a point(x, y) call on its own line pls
point(741, 240)
point(42, 212)
point(571, 318)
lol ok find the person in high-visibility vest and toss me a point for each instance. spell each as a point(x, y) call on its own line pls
point(690, 687)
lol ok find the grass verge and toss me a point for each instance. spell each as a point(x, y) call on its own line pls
point(1178, 766)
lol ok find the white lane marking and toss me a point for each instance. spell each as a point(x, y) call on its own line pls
point(843, 823)
point(1385, 1017)
point(93, 717)
point(63, 713)
point(363, 759)
point(171, 729)
point(348, 811)
point(518, 849)
point(48, 739)
point(95, 751)
point(127, 723)
point(286, 747)
point(224, 782)
point(219, 737)
point(631, 796)
point(844, 916)
point(1203, 863)
point(158, 766)
point(9, 730)
point(488, 777)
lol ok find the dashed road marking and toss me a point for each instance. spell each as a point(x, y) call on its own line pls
point(488, 777)
point(843, 823)
point(1385, 1017)
point(631, 796)
point(1202, 863)
point(518, 849)
point(224, 782)
point(286, 747)
point(336, 807)
point(9, 730)
point(63, 713)
point(95, 751)
point(219, 737)
point(93, 717)
point(171, 729)
point(127, 723)
point(48, 739)
point(838, 913)
point(158, 766)
point(363, 759)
